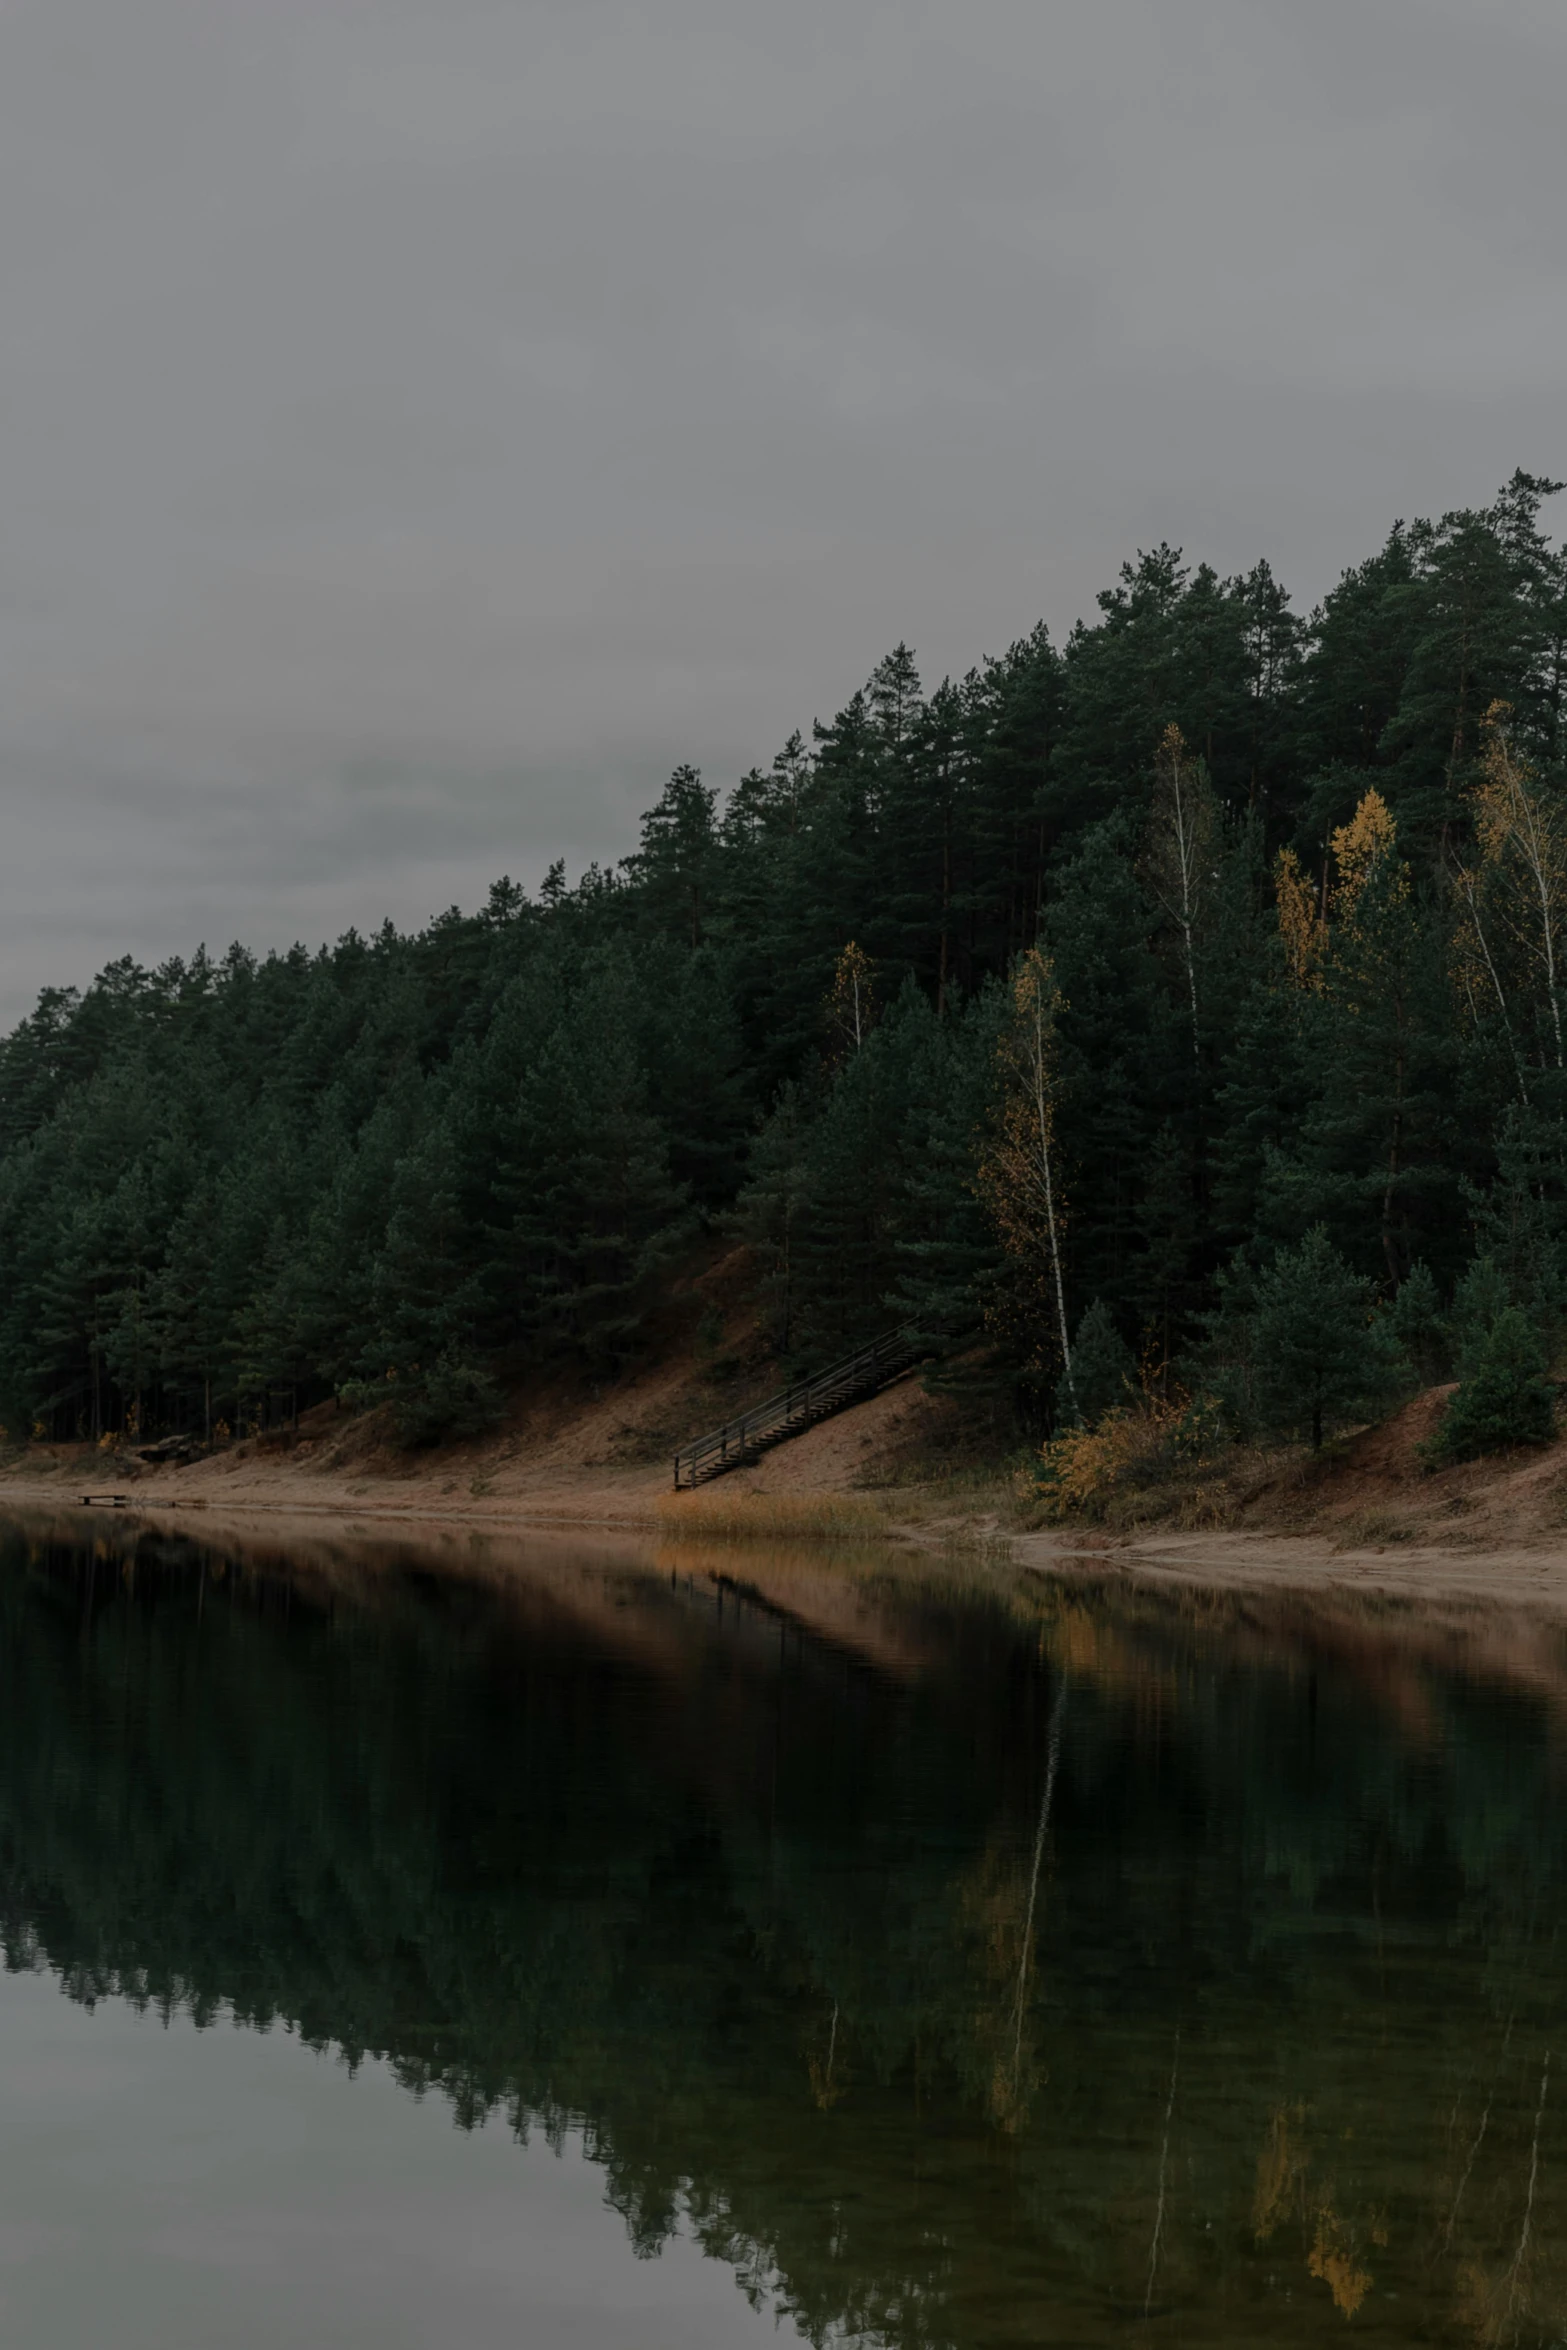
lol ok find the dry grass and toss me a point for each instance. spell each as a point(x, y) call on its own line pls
point(976, 1490)
point(734, 1514)
point(983, 1491)
point(1373, 1530)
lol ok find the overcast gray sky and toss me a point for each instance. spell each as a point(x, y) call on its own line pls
point(424, 421)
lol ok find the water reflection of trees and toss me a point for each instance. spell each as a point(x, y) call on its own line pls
point(1219, 2000)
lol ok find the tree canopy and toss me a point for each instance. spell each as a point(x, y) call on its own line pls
point(1286, 891)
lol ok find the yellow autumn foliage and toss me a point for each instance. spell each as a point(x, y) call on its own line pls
point(1281, 2167)
point(1131, 1444)
point(1357, 846)
point(1334, 2261)
point(1299, 926)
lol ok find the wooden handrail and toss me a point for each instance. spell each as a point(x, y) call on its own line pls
point(795, 1408)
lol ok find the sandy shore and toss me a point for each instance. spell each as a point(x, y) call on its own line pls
point(623, 1514)
point(595, 1469)
point(1513, 1576)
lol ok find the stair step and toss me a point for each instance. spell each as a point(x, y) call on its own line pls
point(795, 1409)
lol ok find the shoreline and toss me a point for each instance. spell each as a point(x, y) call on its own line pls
point(1373, 1520)
point(618, 1508)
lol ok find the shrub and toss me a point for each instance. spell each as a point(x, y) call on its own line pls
point(1505, 1398)
point(1082, 1470)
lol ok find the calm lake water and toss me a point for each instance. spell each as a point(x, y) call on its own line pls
point(575, 1946)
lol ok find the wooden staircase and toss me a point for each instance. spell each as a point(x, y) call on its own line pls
point(794, 1409)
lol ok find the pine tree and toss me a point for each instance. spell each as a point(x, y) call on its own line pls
point(859, 1153)
point(584, 1204)
point(1480, 1298)
point(189, 1316)
point(1102, 1368)
point(1352, 680)
point(1123, 1059)
point(770, 1212)
point(426, 1296)
point(1163, 1284)
point(1520, 1218)
point(1123, 676)
point(1023, 803)
point(1475, 639)
point(948, 1258)
point(1297, 1347)
point(698, 1083)
point(1504, 1399)
point(675, 868)
point(1377, 1154)
point(1419, 1325)
point(1274, 643)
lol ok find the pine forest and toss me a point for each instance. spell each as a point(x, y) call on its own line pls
point(1172, 1013)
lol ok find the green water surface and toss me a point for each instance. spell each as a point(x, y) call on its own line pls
point(573, 1945)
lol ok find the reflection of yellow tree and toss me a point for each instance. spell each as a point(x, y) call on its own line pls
point(1494, 2307)
point(1006, 1906)
point(1025, 1961)
point(1092, 1651)
point(1335, 2255)
point(996, 1907)
point(1281, 2170)
point(826, 2079)
point(1335, 2260)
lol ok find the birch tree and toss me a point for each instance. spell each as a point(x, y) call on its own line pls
point(1019, 1175)
point(1179, 861)
point(851, 1008)
point(1514, 896)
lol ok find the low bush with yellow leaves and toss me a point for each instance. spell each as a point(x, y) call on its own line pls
point(1151, 1441)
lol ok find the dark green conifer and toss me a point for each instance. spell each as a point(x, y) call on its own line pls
point(1102, 1368)
point(1504, 1397)
point(1419, 1325)
point(1297, 1349)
